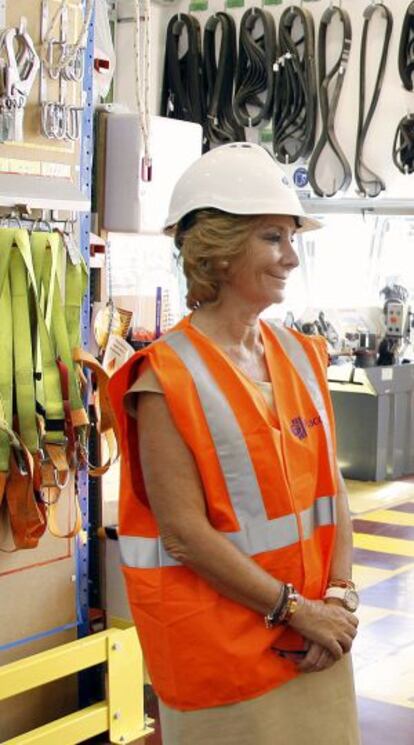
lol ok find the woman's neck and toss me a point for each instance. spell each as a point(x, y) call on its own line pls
point(228, 325)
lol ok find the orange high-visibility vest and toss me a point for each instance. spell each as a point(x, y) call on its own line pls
point(269, 485)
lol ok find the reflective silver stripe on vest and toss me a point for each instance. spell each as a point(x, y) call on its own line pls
point(230, 445)
point(144, 553)
point(323, 512)
point(300, 360)
point(256, 537)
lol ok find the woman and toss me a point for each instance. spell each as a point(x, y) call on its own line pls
point(234, 530)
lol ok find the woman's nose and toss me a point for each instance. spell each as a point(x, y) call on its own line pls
point(290, 257)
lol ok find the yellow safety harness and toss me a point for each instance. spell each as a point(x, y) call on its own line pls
point(44, 425)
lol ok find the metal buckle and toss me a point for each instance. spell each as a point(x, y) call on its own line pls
point(56, 483)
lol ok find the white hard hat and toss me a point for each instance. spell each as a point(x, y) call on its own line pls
point(240, 178)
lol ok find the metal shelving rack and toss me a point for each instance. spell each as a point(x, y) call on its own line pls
point(72, 197)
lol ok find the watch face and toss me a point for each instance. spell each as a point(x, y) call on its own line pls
point(351, 600)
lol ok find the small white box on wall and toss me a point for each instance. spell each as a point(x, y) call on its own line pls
point(131, 204)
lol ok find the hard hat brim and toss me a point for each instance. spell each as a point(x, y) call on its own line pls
point(306, 223)
point(309, 223)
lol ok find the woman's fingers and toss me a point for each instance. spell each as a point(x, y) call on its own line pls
point(318, 658)
point(331, 626)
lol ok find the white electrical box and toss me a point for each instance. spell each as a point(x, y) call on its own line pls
point(133, 205)
point(396, 318)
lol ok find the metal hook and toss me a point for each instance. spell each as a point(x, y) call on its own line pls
point(35, 223)
point(23, 25)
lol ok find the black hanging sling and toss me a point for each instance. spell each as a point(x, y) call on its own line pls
point(254, 75)
point(183, 94)
point(369, 183)
point(221, 125)
point(330, 87)
point(295, 96)
point(406, 49)
point(403, 147)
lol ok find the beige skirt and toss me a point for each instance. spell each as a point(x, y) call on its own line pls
point(313, 709)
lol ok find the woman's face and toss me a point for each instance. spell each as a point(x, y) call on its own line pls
point(259, 276)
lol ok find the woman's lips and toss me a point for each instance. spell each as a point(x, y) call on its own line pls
point(275, 276)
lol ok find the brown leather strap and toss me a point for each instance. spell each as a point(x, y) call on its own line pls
point(27, 516)
point(106, 422)
point(52, 513)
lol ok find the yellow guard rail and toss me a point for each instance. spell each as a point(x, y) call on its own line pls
point(121, 713)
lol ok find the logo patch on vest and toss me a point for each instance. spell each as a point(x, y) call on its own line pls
point(299, 426)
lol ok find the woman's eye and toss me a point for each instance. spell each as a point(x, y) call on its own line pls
point(274, 238)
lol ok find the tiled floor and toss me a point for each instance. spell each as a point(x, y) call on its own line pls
point(384, 649)
point(383, 518)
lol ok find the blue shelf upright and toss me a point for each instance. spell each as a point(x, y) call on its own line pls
point(82, 559)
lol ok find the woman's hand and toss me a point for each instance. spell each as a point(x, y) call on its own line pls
point(317, 659)
point(330, 626)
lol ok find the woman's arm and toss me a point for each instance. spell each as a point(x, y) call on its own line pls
point(341, 565)
point(341, 568)
point(176, 496)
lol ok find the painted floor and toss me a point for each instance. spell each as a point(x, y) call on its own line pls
point(383, 653)
point(383, 520)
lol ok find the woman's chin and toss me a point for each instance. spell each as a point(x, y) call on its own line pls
point(277, 297)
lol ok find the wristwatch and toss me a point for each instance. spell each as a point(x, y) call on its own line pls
point(348, 596)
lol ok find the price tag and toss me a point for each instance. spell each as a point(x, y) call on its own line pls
point(198, 5)
point(266, 135)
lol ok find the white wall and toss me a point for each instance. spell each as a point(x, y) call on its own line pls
point(394, 103)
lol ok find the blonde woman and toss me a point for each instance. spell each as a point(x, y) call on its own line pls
point(235, 533)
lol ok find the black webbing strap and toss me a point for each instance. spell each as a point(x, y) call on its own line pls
point(403, 147)
point(295, 96)
point(330, 87)
point(183, 94)
point(221, 123)
point(254, 76)
point(369, 184)
point(406, 50)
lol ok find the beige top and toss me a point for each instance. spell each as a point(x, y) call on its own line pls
point(148, 383)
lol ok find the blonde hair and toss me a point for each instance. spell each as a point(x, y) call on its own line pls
point(209, 241)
